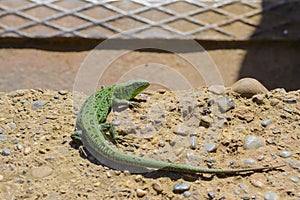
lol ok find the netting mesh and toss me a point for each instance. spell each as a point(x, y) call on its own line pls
point(191, 19)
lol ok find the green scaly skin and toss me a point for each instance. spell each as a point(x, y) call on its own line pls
point(91, 124)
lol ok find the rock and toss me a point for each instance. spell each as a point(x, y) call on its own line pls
point(186, 194)
point(181, 187)
point(248, 87)
point(217, 89)
point(62, 92)
point(258, 99)
point(181, 130)
point(12, 125)
point(270, 196)
point(140, 192)
point(274, 102)
point(1, 131)
point(211, 195)
point(19, 147)
point(295, 179)
point(248, 161)
point(244, 113)
point(206, 121)
point(3, 138)
point(27, 150)
point(97, 184)
point(211, 147)
point(193, 142)
point(252, 142)
point(257, 183)
point(5, 152)
point(225, 104)
point(290, 100)
point(243, 187)
point(38, 104)
point(157, 187)
point(41, 172)
point(285, 154)
point(266, 122)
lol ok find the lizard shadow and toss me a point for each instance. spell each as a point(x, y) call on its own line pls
point(173, 175)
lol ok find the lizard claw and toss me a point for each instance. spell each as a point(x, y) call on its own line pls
point(134, 104)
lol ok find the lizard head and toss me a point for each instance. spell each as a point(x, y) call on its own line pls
point(132, 88)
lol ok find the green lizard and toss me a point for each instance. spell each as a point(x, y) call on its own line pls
point(91, 124)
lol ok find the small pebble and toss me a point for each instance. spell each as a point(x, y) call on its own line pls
point(243, 187)
point(140, 192)
point(181, 130)
point(266, 122)
point(19, 147)
point(38, 104)
point(206, 121)
point(62, 92)
point(1, 177)
point(285, 154)
point(245, 197)
point(211, 147)
point(257, 183)
point(225, 104)
point(252, 142)
point(108, 174)
point(295, 179)
point(56, 96)
point(217, 89)
point(42, 151)
point(15, 141)
point(288, 110)
point(5, 152)
point(12, 125)
point(181, 187)
point(50, 158)
point(274, 102)
point(193, 142)
point(3, 138)
point(186, 194)
point(236, 192)
point(270, 196)
point(64, 141)
point(290, 100)
point(248, 161)
point(138, 178)
point(231, 163)
point(172, 108)
point(276, 131)
point(210, 101)
point(161, 144)
point(260, 157)
point(27, 150)
point(143, 117)
point(211, 195)
point(157, 187)
point(1, 131)
point(258, 99)
point(97, 184)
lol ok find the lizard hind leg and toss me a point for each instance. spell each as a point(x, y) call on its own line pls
point(76, 137)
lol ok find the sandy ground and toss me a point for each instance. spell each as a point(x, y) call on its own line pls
point(39, 161)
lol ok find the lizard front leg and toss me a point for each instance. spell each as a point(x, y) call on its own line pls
point(118, 102)
point(112, 131)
